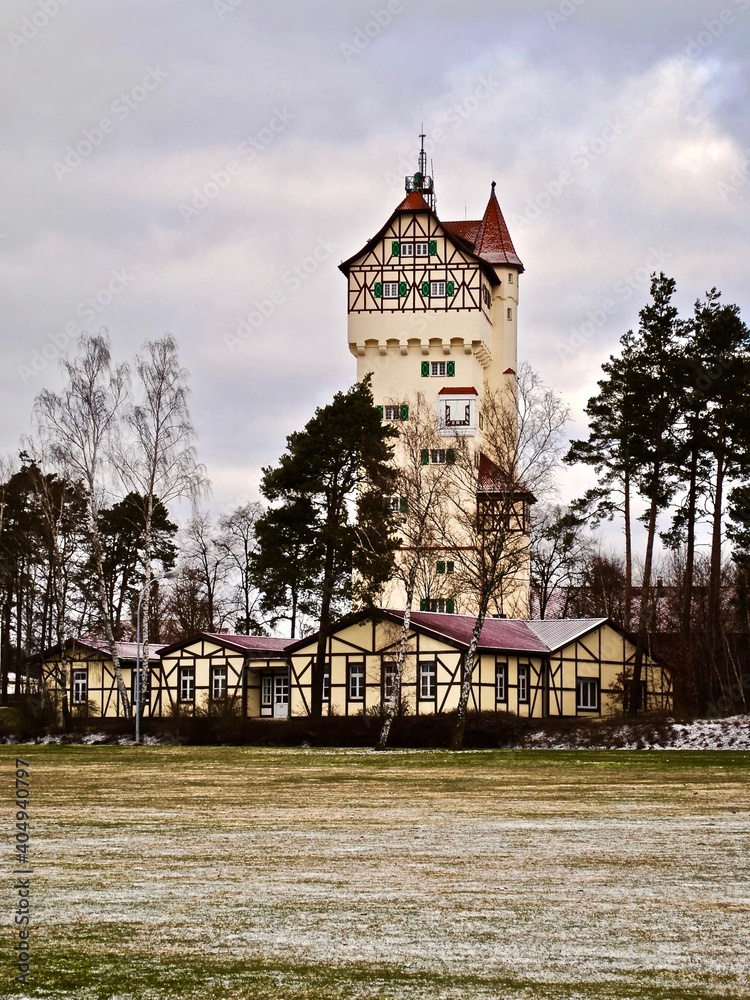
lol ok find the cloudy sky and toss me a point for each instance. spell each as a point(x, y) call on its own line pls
point(181, 165)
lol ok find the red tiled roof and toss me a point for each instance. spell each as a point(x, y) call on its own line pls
point(260, 645)
point(413, 202)
point(459, 391)
point(493, 242)
point(464, 230)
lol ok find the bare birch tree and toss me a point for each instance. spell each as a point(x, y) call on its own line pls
point(79, 428)
point(489, 502)
point(159, 462)
point(420, 497)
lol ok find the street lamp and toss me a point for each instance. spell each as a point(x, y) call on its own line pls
point(154, 579)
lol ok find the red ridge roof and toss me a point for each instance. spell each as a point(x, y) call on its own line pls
point(413, 202)
point(493, 242)
point(459, 391)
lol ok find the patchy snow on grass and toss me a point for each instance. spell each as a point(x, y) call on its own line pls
point(294, 874)
point(704, 734)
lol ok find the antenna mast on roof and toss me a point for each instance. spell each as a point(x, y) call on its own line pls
point(420, 181)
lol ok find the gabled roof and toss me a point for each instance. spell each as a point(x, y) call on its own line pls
point(502, 634)
point(557, 633)
point(255, 645)
point(126, 651)
point(487, 239)
point(459, 391)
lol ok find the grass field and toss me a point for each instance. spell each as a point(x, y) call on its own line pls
point(299, 874)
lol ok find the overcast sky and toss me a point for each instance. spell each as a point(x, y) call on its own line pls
point(182, 164)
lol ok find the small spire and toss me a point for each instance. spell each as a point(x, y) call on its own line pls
point(493, 187)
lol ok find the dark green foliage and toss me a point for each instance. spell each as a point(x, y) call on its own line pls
point(330, 538)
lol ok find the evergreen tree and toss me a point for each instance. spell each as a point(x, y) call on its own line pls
point(337, 471)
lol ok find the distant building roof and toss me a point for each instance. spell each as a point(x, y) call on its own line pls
point(258, 645)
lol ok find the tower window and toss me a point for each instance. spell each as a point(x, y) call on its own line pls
point(400, 412)
point(510, 314)
point(486, 296)
point(437, 368)
point(510, 277)
point(438, 456)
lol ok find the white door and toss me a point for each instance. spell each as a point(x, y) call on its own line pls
point(280, 696)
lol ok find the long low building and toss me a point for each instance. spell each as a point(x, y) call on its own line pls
point(551, 668)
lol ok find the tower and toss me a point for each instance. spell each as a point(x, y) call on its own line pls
point(432, 314)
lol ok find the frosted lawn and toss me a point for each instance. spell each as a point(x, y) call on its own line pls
point(291, 874)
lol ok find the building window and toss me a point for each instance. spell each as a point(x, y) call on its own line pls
point(80, 687)
point(327, 682)
point(415, 249)
point(450, 566)
point(390, 289)
point(587, 699)
point(218, 683)
point(457, 414)
point(427, 680)
point(510, 277)
point(399, 412)
point(187, 683)
point(389, 678)
point(438, 369)
point(441, 605)
point(486, 296)
point(510, 315)
point(438, 456)
point(523, 684)
point(501, 681)
point(356, 681)
point(266, 690)
point(437, 289)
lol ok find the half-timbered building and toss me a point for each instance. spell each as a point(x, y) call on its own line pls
point(432, 315)
point(531, 668)
point(85, 669)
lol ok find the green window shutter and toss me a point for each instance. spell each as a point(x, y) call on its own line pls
point(378, 289)
point(450, 369)
point(396, 248)
point(450, 288)
point(402, 288)
point(433, 247)
point(424, 456)
point(404, 412)
point(380, 411)
point(403, 505)
point(425, 369)
point(441, 566)
point(423, 604)
point(426, 289)
point(450, 456)
point(450, 606)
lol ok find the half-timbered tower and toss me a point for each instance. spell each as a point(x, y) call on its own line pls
point(432, 315)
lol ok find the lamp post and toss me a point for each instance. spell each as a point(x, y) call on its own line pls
point(154, 579)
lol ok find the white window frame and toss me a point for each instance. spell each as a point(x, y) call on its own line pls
point(326, 682)
point(356, 680)
point(587, 694)
point(219, 685)
point(501, 680)
point(80, 687)
point(392, 412)
point(437, 289)
point(266, 691)
point(524, 679)
point(438, 369)
point(390, 289)
point(438, 456)
point(389, 678)
point(438, 605)
point(187, 684)
point(427, 680)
